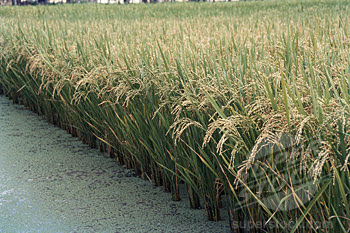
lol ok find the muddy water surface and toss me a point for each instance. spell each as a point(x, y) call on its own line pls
point(51, 182)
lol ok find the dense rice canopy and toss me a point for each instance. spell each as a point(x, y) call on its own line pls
point(199, 92)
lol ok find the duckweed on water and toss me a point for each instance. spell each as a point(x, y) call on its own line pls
point(244, 101)
point(51, 182)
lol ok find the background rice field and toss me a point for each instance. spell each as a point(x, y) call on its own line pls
point(245, 103)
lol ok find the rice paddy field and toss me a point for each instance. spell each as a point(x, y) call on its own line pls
point(247, 104)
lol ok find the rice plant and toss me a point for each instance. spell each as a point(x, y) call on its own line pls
point(245, 103)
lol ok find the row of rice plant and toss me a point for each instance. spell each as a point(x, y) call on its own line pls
point(243, 102)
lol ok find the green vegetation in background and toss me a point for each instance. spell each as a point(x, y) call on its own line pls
point(246, 102)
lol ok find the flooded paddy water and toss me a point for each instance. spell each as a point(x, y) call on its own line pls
point(51, 182)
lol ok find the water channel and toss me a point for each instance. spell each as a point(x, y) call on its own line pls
point(51, 182)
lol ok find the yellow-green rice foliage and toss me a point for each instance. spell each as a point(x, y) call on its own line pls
point(205, 93)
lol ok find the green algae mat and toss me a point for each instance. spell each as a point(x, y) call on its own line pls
point(51, 182)
point(238, 108)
